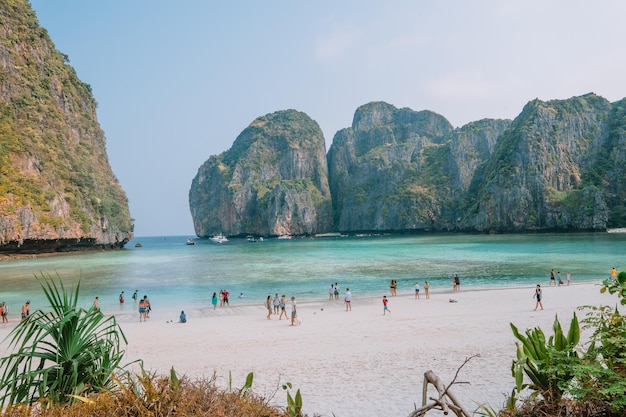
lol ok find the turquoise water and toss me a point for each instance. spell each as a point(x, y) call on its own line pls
point(172, 273)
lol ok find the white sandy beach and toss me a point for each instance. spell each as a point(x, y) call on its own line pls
point(357, 363)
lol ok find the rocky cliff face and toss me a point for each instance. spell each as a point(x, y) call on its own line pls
point(57, 190)
point(400, 170)
point(550, 170)
point(272, 181)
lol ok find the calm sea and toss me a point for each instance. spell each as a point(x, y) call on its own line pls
point(174, 274)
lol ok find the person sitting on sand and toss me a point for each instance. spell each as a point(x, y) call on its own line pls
point(183, 317)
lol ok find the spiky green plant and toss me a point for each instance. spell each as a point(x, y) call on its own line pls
point(62, 353)
point(539, 359)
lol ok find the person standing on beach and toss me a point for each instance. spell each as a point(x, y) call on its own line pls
point(331, 292)
point(336, 291)
point(385, 307)
point(348, 300)
point(142, 310)
point(226, 303)
point(552, 278)
point(457, 283)
point(569, 278)
point(122, 297)
point(268, 306)
point(148, 307)
point(417, 290)
point(613, 274)
point(26, 310)
point(426, 287)
point(4, 311)
point(96, 304)
point(538, 295)
point(558, 277)
point(214, 300)
point(392, 287)
point(276, 304)
point(283, 310)
point(294, 310)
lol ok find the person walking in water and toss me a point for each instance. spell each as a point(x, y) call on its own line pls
point(385, 306)
point(538, 295)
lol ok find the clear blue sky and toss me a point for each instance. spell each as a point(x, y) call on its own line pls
point(177, 82)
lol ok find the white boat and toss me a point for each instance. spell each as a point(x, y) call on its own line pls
point(218, 238)
point(284, 237)
point(191, 242)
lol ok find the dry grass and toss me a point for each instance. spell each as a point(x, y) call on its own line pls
point(152, 396)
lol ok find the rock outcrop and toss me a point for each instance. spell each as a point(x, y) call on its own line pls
point(273, 181)
point(57, 190)
point(559, 166)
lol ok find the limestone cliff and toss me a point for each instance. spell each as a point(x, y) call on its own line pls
point(272, 181)
point(556, 168)
point(402, 170)
point(57, 190)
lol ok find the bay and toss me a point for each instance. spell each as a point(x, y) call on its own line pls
point(175, 275)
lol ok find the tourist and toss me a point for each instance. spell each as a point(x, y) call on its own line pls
point(221, 298)
point(183, 317)
point(331, 292)
point(336, 291)
point(4, 311)
point(268, 305)
point(348, 300)
point(226, 294)
point(148, 306)
point(385, 307)
point(569, 278)
point(417, 290)
point(294, 311)
point(135, 296)
point(276, 304)
point(214, 300)
point(26, 310)
point(392, 287)
point(538, 294)
point(552, 278)
point(282, 308)
point(457, 283)
point(426, 287)
point(558, 277)
point(96, 304)
point(142, 310)
point(613, 274)
point(122, 297)
point(454, 284)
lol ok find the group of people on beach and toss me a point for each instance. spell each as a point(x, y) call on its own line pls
point(4, 311)
point(555, 279)
point(222, 299)
point(279, 306)
point(144, 306)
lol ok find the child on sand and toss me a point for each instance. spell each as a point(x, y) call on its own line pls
point(385, 307)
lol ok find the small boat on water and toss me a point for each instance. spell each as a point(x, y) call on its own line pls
point(191, 242)
point(251, 239)
point(218, 238)
point(284, 237)
point(138, 245)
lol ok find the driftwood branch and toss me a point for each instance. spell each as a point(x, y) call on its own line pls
point(447, 401)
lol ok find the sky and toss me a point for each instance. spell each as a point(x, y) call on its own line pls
point(177, 82)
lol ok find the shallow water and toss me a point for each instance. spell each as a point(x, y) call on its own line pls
point(172, 273)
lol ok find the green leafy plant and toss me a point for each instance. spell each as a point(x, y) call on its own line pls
point(60, 354)
point(540, 359)
point(617, 286)
point(294, 404)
